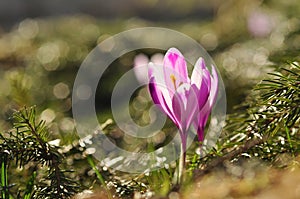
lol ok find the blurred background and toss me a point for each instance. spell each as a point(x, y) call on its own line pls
point(16, 10)
point(42, 44)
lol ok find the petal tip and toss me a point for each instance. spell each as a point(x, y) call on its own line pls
point(173, 50)
point(201, 62)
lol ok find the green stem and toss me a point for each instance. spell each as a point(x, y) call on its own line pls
point(4, 180)
point(99, 176)
point(181, 167)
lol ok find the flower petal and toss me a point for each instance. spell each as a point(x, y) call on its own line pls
point(197, 73)
point(200, 74)
point(175, 70)
point(214, 86)
point(178, 110)
point(203, 95)
point(184, 104)
point(157, 72)
point(206, 109)
point(158, 98)
point(192, 109)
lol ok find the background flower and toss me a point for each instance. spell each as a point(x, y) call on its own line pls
point(141, 65)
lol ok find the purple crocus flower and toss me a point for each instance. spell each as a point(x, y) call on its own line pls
point(186, 101)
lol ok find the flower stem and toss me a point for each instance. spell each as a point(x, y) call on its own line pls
point(181, 167)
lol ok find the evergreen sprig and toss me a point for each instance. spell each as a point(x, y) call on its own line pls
point(27, 144)
point(266, 126)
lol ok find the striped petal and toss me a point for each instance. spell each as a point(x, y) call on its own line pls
point(206, 110)
point(175, 70)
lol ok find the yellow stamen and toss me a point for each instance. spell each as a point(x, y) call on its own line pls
point(173, 79)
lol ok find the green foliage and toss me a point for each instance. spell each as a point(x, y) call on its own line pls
point(270, 126)
point(26, 145)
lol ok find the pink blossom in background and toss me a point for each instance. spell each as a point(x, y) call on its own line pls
point(140, 61)
point(157, 59)
point(259, 24)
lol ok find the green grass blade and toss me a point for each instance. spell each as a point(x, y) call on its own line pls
point(98, 174)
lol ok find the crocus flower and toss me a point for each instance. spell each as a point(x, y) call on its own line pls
point(212, 84)
point(186, 101)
